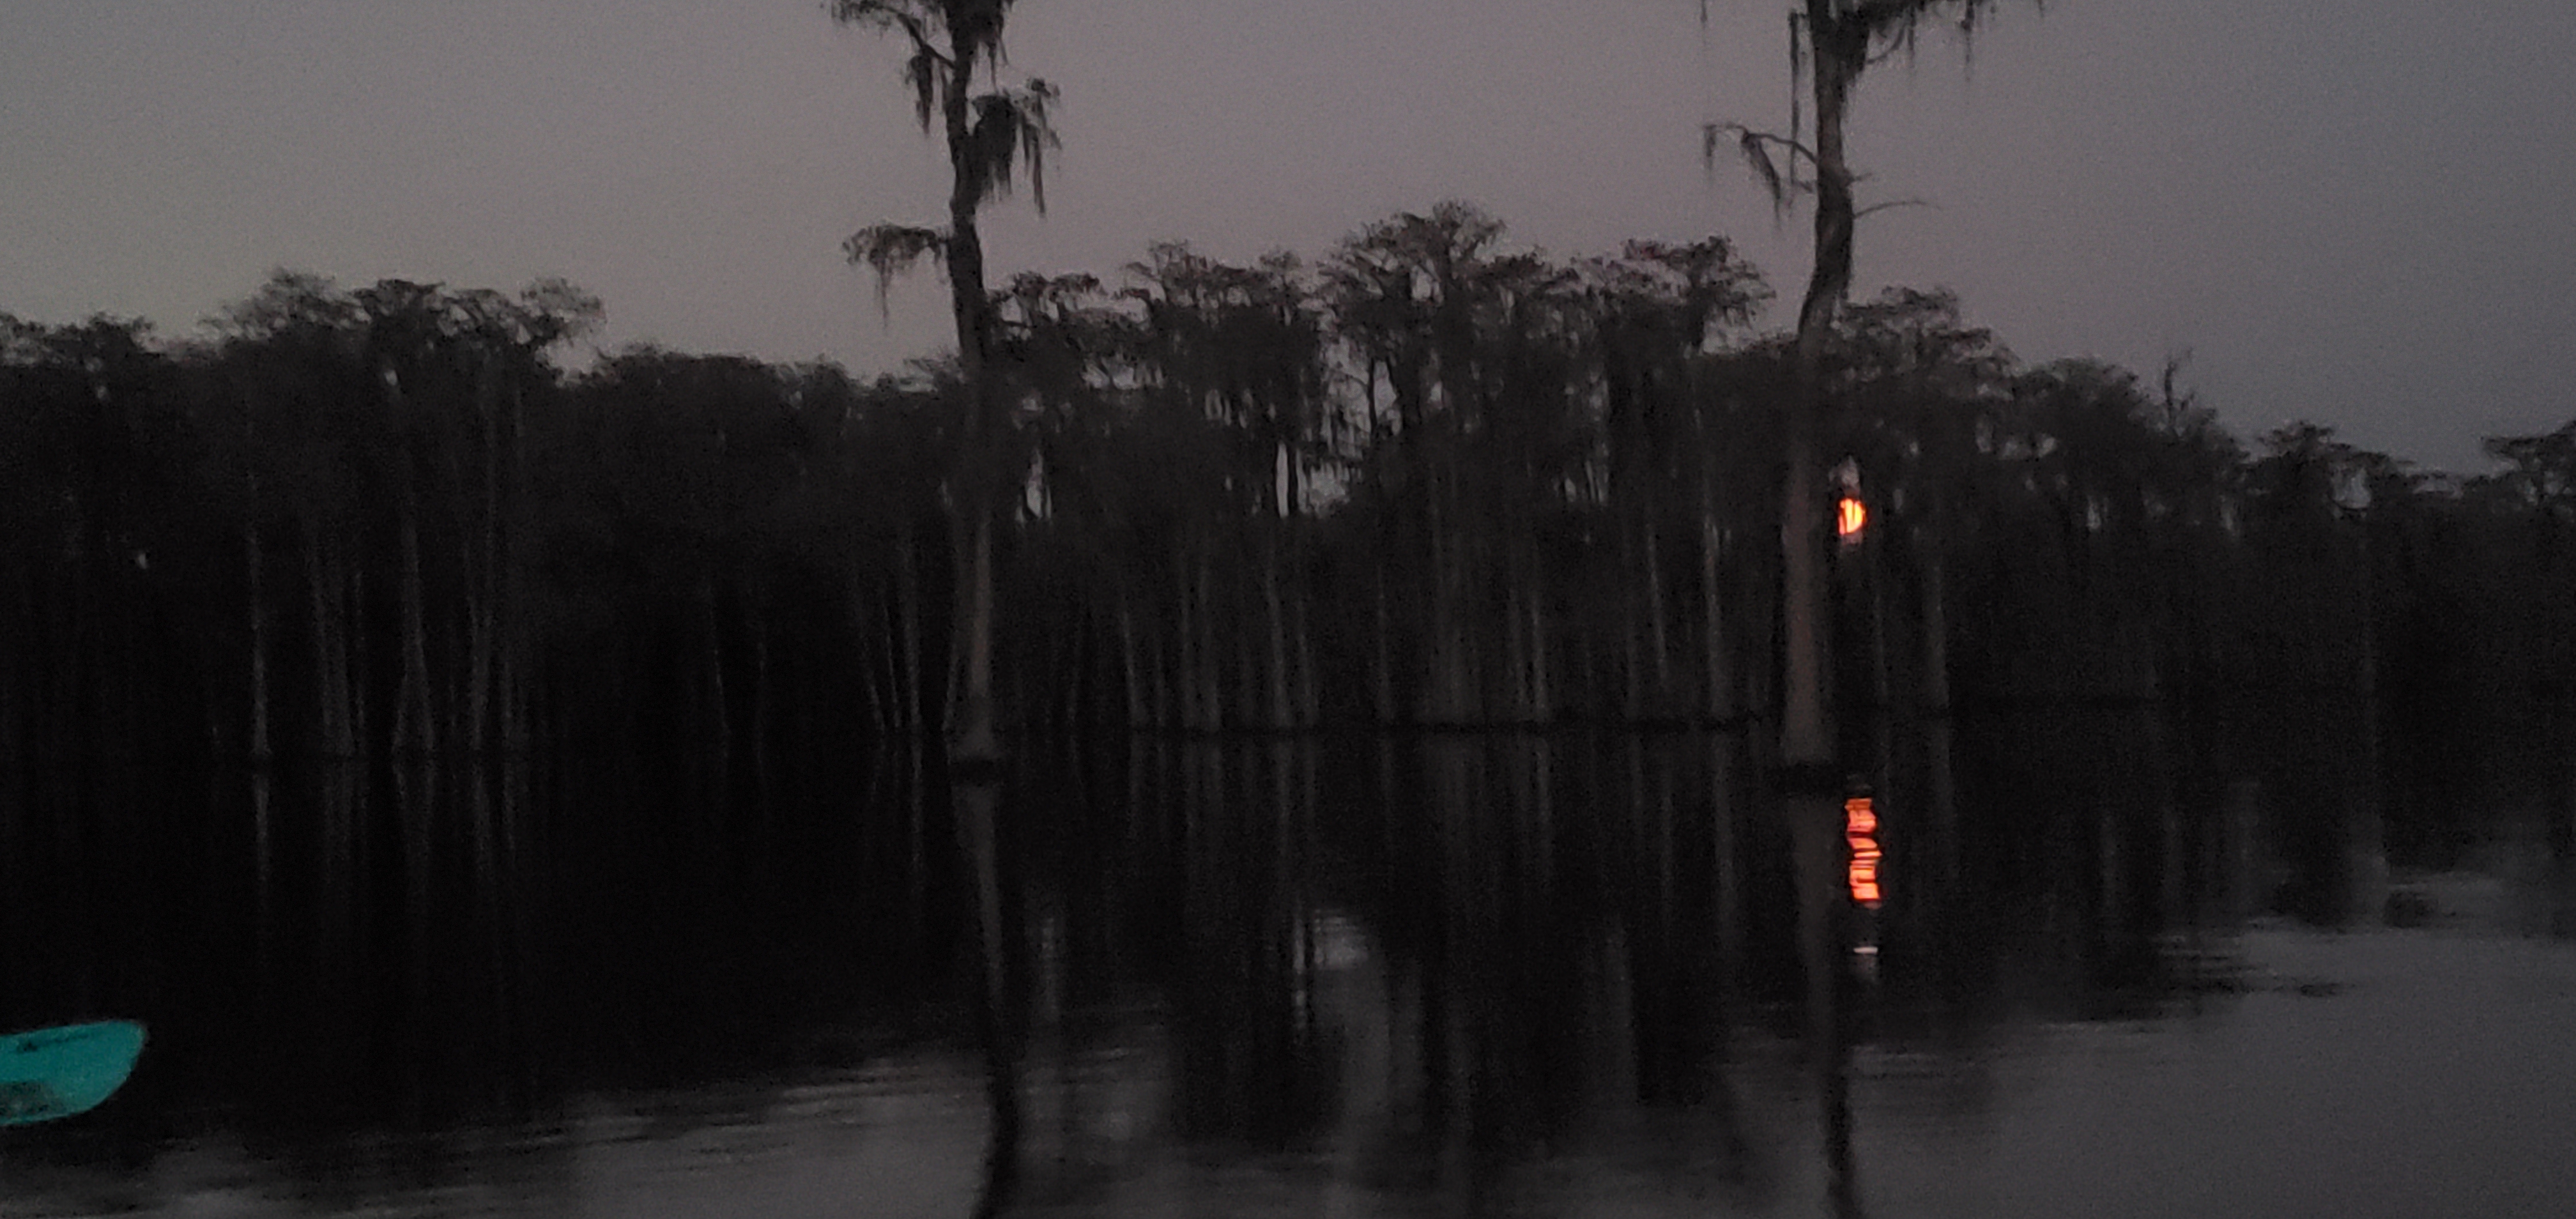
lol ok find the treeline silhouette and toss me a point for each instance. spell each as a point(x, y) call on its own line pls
point(1429, 479)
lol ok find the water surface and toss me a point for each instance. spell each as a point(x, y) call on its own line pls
point(2123, 967)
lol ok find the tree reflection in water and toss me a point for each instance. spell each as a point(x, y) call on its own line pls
point(1524, 974)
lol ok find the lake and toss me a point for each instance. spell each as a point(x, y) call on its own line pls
point(2265, 963)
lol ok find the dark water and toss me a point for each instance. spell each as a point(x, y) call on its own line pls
point(2268, 966)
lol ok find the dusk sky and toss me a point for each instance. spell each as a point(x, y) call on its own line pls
point(2354, 211)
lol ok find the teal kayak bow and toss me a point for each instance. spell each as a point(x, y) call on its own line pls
point(57, 1072)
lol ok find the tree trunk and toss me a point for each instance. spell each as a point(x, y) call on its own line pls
point(353, 613)
point(1658, 637)
point(1807, 743)
point(1542, 693)
point(1282, 715)
point(1515, 700)
point(1382, 658)
point(721, 730)
point(756, 727)
point(1810, 782)
point(1159, 659)
point(1430, 702)
point(1727, 870)
point(912, 701)
point(1185, 645)
point(1936, 627)
point(996, 942)
point(1718, 699)
point(977, 492)
point(414, 734)
point(878, 668)
point(1211, 669)
point(1309, 697)
point(263, 836)
point(1632, 666)
point(975, 728)
point(482, 614)
point(1134, 682)
point(1874, 585)
point(518, 627)
point(259, 741)
point(330, 660)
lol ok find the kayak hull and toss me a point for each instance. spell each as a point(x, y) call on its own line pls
point(57, 1072)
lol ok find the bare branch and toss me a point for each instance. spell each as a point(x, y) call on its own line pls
point(1893, 203)
point(888, 15)
point(1755, 149)
point(923, 69)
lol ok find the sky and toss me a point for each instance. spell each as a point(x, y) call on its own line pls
point(2355, 212)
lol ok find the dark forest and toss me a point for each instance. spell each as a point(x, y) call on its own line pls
point(370, 602)
point(1392, 716)
point(1428, 480)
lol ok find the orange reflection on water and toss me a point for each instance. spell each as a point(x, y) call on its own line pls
point(1860, 829)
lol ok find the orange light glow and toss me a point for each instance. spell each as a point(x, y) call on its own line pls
point(1850, 518)
point(1860, 829)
